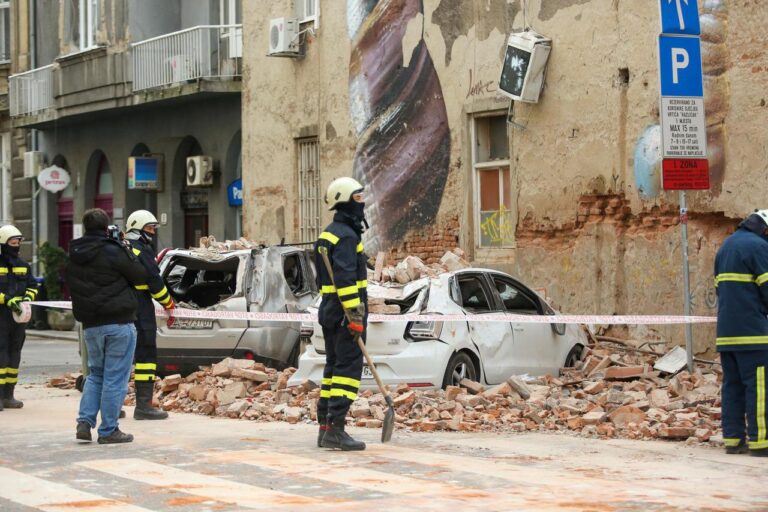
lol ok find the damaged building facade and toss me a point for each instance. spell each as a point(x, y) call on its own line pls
point(96, 82)
point(566, 195)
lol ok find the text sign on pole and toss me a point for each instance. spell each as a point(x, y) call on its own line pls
point(680, 66)
point(680, 17)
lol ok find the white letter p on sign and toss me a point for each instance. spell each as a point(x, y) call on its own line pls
point(679, 61)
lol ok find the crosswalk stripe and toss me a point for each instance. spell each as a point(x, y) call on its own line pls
point(343, 473)
point(48, 496)
point(226, 491)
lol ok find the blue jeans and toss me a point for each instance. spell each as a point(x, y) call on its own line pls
point(110, 355)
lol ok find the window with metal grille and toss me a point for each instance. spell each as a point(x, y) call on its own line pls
point(309, 189)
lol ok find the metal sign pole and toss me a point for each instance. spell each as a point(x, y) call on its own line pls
point(686, 281)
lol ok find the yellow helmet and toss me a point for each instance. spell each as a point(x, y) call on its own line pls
point(8, 232)
point(341, 191)
point(139, 219)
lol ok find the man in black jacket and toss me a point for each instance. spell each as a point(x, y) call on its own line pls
point(101, 275)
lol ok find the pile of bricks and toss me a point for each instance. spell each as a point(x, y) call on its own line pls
point(412, 268)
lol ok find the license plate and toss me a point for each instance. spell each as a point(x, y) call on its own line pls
point(191, 323)
point(367, 374)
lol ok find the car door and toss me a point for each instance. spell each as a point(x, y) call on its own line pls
point(535, 344)
point(492, 339)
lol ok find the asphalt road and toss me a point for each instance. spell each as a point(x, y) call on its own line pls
point(42, 359)
point(191, 462)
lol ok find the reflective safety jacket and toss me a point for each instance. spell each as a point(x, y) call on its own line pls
point(16, 279)
point(741, 281)
point(345, 251)
point(155, 287)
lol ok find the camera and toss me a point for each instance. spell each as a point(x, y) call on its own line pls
point(114, 233)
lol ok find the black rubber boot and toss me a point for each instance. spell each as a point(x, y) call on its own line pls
point(83, 431)
point(323, 429)
point(336, 438)
point(741, 448)
point(9, 402)
point(116, 437)
point(144, 409)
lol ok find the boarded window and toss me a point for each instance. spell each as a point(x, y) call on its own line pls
point(309, 189)
point(494, 210)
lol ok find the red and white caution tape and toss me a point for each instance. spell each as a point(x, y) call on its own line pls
point(429, 317)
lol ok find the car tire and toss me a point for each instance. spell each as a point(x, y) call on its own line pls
point(460, 366)
point(573, 356)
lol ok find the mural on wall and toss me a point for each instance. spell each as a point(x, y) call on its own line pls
point(714, 53)
point(399, 114)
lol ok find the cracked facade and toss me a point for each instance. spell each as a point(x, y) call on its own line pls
point(403, 95)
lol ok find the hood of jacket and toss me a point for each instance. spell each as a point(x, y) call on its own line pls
point(86, 248)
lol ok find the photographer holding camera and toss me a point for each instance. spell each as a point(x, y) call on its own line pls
point(102, 275)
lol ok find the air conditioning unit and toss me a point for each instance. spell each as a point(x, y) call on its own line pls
point(199, 171)
point(284, 37)
point(525, 60)
point(33, 163)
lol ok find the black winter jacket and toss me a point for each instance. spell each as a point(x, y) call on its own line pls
point(155, 287)
point(101, 276)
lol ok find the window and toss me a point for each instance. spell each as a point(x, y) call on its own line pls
point(309, 189)
point(5, 31)
point(514, 300)
point(307, 10)
point(88, 22)
point(5, 179)
point(294, 274)
point(231, 13)
point(473, 296)
point(494, 211)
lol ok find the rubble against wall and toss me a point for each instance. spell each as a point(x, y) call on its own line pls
point(612, 393)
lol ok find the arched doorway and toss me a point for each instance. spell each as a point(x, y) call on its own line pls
point(98, 167)
point(65, 207)
point(194, 201)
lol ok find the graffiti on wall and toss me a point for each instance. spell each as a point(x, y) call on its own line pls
point(497, 228)
point(399, 114)
point(714, 32)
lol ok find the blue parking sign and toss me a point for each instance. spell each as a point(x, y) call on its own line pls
point(680, 17)
point(680, 66)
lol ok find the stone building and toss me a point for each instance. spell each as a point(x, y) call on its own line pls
point(96, 82)
point(564, 193)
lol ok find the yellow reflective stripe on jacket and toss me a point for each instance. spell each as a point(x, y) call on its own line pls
point(758, 445)
point(325, 393)
point(329, 237)
point(761, 430)
point(19, 270)
point(347, 290)
point(3, 270)
point(32, 291)
point(146, 366)
point(739, 278)
point(762, 279)
point(346, 381)
point(327, 289)
point(12, 371)
point(360, 247)
point(352, 303)
point(743, 340)
point(362, 284)
point(135, 251)
point(343, 392)
point(142, 287)
point(327, 381)
point(143, 376)
point(2, 298)
point(160, 293)
point(730, 442)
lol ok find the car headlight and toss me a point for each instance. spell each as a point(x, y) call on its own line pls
point(422, 331)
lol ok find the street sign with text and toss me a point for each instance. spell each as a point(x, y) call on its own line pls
point(680, 66)
point(685, 174)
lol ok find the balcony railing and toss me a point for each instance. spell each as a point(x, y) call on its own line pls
point(31, 92)
point(204, 52)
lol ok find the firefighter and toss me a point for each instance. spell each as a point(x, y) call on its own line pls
point(17, 285)
point(741, 280)
point(342, 242)
point(141, 228)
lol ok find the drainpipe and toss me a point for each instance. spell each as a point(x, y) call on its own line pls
point(33, 134)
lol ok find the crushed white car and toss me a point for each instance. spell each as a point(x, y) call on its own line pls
point(437, 354)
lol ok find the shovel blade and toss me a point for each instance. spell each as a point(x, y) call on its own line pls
point(389, 425)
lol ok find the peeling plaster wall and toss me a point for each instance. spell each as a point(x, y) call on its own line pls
point(589, 141)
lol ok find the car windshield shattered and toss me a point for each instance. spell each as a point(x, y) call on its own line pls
point(200, 283)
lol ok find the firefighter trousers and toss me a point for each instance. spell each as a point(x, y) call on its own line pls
point(12, 337)
point(744, 397)
point(341, 376)
point(146, 354)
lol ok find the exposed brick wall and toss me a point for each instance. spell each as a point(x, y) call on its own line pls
point(430, 244)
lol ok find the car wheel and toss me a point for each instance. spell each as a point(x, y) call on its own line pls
point(573, 357)
point(460, 367)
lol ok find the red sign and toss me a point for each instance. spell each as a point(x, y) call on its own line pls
point(685, 174)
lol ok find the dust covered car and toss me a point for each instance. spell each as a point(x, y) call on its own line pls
point(275, 279)
point(434, 354)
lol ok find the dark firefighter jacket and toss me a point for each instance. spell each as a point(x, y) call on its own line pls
point(741, 280)
point(345, 251)
point(101, 276)
point(155, 287)
point(16, 279)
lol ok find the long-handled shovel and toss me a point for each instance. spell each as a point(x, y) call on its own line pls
point(389, 418)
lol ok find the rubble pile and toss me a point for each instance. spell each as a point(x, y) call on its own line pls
point(209, 243)
point(413, 268)
point(611, 394)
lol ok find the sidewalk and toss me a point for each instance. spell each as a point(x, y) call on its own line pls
point(53, 335)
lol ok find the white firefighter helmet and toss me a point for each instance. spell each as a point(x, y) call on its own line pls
point(341, 191)
point(763, 214)
point(139, 219)
point(8, 232)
